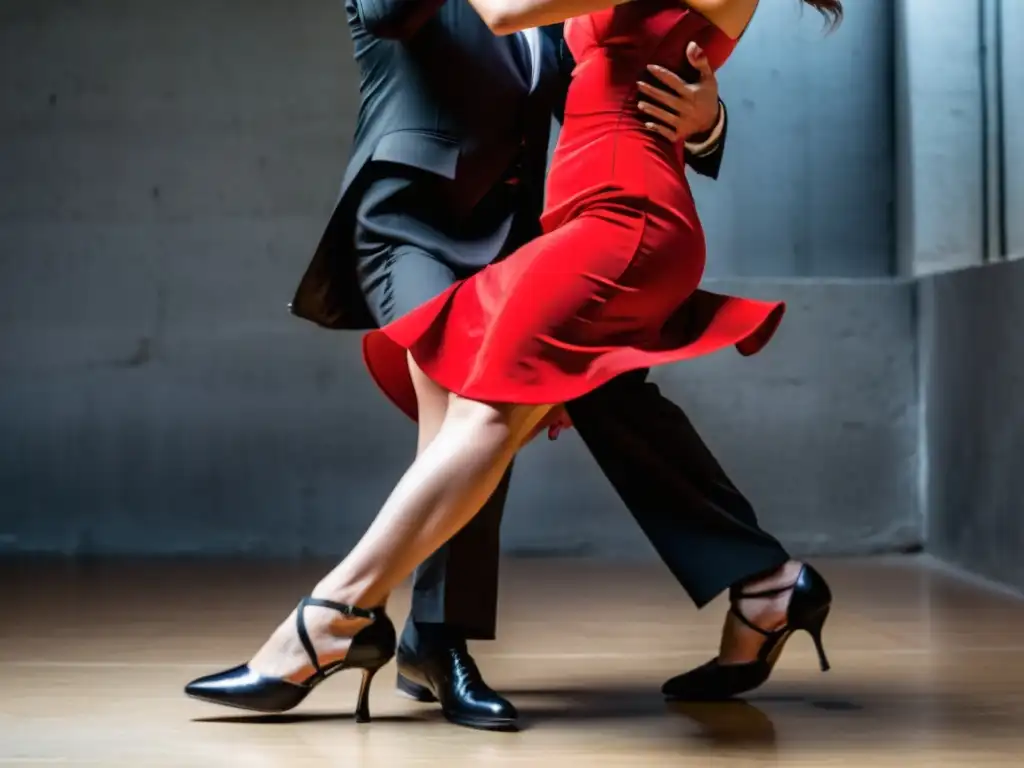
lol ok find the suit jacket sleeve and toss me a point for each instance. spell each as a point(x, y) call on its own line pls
point(708, 161)
point(395, 19)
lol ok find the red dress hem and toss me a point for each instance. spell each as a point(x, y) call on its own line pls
point(723, 321)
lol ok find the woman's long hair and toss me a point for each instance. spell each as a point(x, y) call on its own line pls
point(832, 10)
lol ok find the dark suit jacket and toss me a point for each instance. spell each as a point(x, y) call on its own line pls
point(440, 93)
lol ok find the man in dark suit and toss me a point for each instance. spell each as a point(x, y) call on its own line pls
point(447, 175)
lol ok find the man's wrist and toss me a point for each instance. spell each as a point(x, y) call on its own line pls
point(702, 143)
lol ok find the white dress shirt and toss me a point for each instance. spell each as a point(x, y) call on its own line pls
point(531, 39)
point(705, 147)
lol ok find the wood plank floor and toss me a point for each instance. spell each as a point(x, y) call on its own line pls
point(928, 670)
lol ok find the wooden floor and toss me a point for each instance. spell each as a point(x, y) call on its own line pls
point(927, 671)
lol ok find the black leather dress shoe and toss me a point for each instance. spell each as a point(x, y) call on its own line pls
point(449, 675)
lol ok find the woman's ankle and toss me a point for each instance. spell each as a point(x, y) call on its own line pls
point(359, 595)
point(783, 575)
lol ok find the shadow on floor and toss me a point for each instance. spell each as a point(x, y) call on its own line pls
point(297, 718)
point(804, 718)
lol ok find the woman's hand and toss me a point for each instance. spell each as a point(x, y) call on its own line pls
point(683, 109)
point(554, 422)
point(557, 420)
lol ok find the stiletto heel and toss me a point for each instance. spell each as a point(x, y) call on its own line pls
point(814, 628)
point(807, 611)
point(242, 687)
point(363, 704)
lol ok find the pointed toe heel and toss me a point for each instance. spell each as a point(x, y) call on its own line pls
point(242, 687)
point(813, 628)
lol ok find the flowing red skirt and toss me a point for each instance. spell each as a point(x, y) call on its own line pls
point(610, 291)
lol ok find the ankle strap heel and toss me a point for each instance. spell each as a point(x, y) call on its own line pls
point(808, 609)
point(244, 688)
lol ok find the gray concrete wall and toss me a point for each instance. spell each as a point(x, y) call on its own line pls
point(166, 170)
point(265, 436)
point(1012, 83)
point(959, 148)
point(808, 181)
point(972, 372)
point(229, 121)
point(940, 135)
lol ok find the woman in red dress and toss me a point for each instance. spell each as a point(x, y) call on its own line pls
point(611, 286)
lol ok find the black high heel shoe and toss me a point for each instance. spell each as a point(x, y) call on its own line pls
point(808, 608)
point(244, 688)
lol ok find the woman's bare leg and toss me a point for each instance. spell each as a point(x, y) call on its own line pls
point(448, 483)
point(431, 405)
point(453, 476)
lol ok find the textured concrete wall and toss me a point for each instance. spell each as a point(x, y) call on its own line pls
point(1012, 83)
point(972, 370)
point(225, 123)
point(807, 186)
point(959, 148)
point(939, 135)
point(268, 437)
point(166, 170)
point(820, 430)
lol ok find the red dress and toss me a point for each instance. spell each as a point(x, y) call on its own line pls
point(611, 285)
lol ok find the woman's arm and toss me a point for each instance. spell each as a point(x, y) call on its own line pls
point(730, 16)
point(505, 17)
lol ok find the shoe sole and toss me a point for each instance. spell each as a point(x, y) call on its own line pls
point(422, 694)
point(233, 705)
point(697, 698)
point(414, 691)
